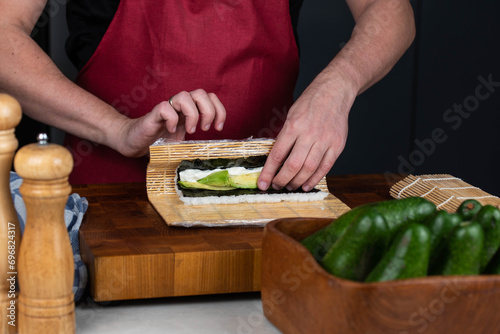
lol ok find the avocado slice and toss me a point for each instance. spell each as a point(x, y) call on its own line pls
point(217, 179)
point(244, 181)
point(221, 180)
point(197, 185)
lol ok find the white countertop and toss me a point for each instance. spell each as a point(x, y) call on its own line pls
point(221, 314)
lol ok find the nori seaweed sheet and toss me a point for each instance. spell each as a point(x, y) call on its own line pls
point(223, 163)
point(250, 162)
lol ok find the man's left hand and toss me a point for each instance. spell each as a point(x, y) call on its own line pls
point(312, 138)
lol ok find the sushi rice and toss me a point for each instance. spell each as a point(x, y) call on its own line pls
point(246, 198)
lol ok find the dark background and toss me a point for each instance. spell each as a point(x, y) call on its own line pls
point(391, 124)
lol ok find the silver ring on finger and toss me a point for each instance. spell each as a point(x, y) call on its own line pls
point(172, 103)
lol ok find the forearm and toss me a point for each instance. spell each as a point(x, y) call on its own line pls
point(46, 95)
point(383, 32)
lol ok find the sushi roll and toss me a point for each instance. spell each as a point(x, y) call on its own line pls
point(231, 181)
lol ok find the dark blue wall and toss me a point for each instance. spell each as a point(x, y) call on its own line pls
point(380, 119)
point(402, 123)
point(459, 42)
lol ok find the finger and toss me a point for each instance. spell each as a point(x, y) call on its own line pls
point(277, 156)
point(220, 112)
point(183, 103)
point(205, 108)
point(324, 167)
point(165, 113)
point(293, 164)
point(309, 167)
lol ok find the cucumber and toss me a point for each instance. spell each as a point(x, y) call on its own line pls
point(440, 224)
point(468, 209)
point(493, 267)
point(401, 212)
point(489, 219)
point(407, 257)
point(397, 213)
point(462, 252)
point(321, 241)
point(358, 250)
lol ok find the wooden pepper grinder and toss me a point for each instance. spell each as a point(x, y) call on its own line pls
point(46, 269)
point(10, 233)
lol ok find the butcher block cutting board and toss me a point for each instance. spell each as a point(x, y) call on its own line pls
point(131, 253)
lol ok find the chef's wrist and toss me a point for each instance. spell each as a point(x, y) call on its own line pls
point(113, 131)
point(336, 82)
point(341, 74)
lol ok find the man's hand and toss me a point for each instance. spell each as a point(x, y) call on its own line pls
point(46, 95)
point(312, 138)
point(188, 109)
point(315, 131)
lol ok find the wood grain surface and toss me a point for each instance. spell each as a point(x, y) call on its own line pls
point(45, 264)
point(10, 233)
point(132, 254)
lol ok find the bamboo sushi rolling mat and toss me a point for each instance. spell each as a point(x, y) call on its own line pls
point(161, 171)
point(444, 190)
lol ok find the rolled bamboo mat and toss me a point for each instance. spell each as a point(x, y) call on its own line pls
point(444, 190)
point(161, 178)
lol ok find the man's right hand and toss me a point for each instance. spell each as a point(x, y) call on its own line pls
point(189, 110)
point(46, 95)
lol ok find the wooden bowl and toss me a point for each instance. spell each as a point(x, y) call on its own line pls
point(299, 296)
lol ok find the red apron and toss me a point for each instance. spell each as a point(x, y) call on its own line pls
point(244, 51)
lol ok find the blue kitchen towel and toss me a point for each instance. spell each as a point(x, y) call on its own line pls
point(73, 215)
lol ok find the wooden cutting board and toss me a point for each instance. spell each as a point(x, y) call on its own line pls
point(132, 254)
